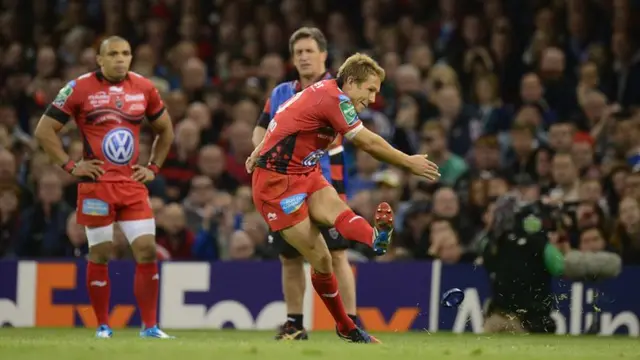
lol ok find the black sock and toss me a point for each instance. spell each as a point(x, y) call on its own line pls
point(295, 320)
point(354, 318)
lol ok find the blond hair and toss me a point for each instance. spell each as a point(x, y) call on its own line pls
point(359, 67)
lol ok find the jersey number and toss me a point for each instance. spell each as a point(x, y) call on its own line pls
point(289, 102)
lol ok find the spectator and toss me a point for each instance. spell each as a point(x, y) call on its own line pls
point(565, 176)
point(78, 246)
point(241, 247)
point(179, 167)
point(241, 147)
point(8, 178)
point(9, 218)
point(212, 163)
point(201, 193)
point(458, 120)
point(44, 234)
point(529, 101)
point(366, 166)
point(435, 143)
point(592, 240)
point(627, 231)
point(174, 234)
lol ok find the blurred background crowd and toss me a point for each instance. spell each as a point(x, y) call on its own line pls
point(537, 96)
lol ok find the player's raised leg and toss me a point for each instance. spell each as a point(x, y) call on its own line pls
point(98, 283)
point(141, 235)
point(326, 207)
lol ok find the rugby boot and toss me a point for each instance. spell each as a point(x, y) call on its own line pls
point(104, 332)
point(382, 228)
point(290, 332)
point(358, 335)
point(154, 332)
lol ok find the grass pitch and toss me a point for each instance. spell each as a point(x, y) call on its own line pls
point(71, 344)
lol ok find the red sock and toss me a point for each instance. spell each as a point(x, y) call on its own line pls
point(354, 227)
point(99, 288)
point(326, 286)
point(145, 288)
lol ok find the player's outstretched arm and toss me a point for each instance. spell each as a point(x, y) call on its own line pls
point(380, 149)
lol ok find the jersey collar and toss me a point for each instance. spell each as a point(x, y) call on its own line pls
point(297, 85)
point(100, 77)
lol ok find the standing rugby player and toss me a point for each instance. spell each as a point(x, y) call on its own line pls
point(109, 107)
point(308, 48)
point(293, 196)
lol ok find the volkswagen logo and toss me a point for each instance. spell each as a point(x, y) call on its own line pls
point(118, 146)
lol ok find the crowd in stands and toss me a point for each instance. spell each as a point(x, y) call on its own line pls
point(540, 96)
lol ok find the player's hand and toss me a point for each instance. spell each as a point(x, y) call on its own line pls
point(142, 174)
point(419, 165)
point(251, 162)
point(88, 168)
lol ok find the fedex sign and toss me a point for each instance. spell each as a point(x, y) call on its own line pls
point(391, 297)
point(197, 295)
point(51, 295)
point(182, 282)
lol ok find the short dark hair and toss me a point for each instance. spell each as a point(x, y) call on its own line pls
point(109, 40)
point(308, 33)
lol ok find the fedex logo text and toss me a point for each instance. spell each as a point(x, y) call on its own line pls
point(38, 288)
point(178, 279)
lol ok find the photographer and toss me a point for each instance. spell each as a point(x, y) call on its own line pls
point(522, 251)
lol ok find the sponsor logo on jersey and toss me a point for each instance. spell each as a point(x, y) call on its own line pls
point(64, 94)
point(292, 203)
point(108, 116)
point(136, 107)
point(116, 89)
point(348, 110)
point(95, 207)
point(99, 99)
point(313, 158)
point(134, 97)
point(118, 146)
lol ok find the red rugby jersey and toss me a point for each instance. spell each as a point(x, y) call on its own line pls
point(305, 126)
point(109, 116)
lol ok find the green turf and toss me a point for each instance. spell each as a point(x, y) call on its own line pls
point(69, 344)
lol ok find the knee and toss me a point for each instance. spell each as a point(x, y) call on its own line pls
point(100, 253)
point(292, 265)
point(144, 249)
point(322, 260)
point(339, 259)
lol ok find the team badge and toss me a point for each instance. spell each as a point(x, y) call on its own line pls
point(348, 110)
point(119, 102)
point(118, 146)
point(64, 94)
